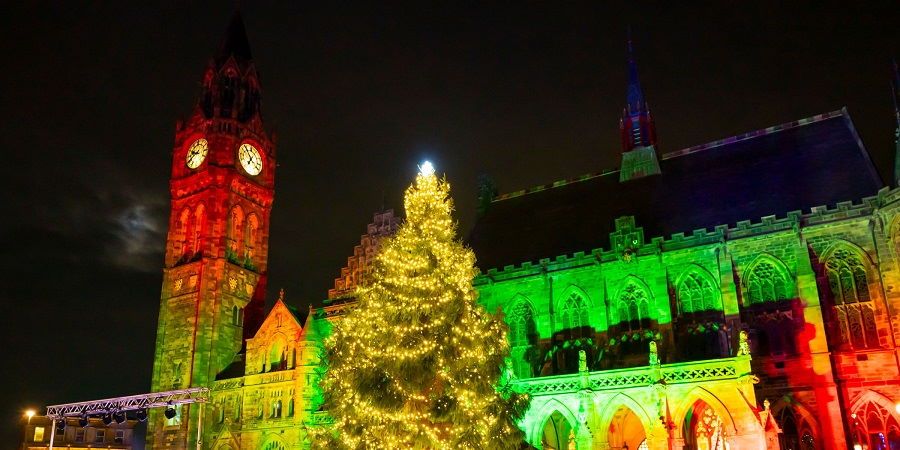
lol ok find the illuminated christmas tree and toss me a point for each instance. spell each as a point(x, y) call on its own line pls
point(417, 362)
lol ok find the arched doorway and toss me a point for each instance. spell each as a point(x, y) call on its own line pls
point(795, 433)
point(874, 427)
point(703, 428)
point(626, 430)
point(558, 433)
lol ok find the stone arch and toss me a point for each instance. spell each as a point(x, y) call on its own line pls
point(870, 396)
point(853, 247)
point(551, 406)
point(618, 401)
point(569, 291)
point(273, 442)
point(701, 394)
point(871, 414)
point(633, 304)
point(804, 419)
point(781, 287)
point(697, 272)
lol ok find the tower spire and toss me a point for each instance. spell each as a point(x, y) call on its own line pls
point(635, 98)
point(636, 126)
point(231, 85)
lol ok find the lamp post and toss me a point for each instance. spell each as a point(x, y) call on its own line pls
point(29, 414)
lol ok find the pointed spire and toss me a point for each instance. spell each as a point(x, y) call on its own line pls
point(231, 89)
point(637, 128)
point(235, 42)
point(635, 98)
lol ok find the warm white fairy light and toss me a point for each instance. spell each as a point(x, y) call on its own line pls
point(417, 362)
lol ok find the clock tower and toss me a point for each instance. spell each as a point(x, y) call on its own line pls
point(222, 187)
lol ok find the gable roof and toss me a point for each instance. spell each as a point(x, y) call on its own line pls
point(789, 167)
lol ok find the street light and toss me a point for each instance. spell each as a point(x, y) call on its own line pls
point(29, 414)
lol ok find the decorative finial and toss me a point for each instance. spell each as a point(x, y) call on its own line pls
point(766, 404)
point(654, 354)
point(426, 169)
point(281, 295)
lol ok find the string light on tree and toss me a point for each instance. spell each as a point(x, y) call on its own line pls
point(418, 362)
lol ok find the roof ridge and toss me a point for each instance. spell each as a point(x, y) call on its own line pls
point(685, 151)
point(755, 134)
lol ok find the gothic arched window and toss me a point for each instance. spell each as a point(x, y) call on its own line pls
point(574, 312)
point(521, 325)
point(276, 409)
point(766, 283)
point(633, 307)
point(235, 226)
point(181, 234)
point(522, 332)
point(251, 235)
point(197, 228)
point(853, 309)
point(696, 293)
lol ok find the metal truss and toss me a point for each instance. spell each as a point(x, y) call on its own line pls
point(129, 403)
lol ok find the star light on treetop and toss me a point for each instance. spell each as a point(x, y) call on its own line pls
point(426, 169)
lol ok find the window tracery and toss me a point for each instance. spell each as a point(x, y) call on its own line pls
point(766, 283)
point(853, 308)
point(696, 293)
point(633, 307)
point(522, 330)
point(574, 312)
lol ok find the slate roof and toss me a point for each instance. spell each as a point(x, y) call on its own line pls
point(789, 167)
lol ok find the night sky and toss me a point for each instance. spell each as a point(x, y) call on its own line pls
point(358, 96)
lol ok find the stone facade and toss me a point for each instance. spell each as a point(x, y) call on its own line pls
point(758, 333)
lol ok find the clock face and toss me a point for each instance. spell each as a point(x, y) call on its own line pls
point(197, 153)
point(250, 160)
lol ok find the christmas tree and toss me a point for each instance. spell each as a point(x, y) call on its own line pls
point(417, 363)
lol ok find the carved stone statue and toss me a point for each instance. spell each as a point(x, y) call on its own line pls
point(582, 361)
point(654, 354)
point(743, 344)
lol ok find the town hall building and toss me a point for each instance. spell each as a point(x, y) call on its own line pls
point(738, 294)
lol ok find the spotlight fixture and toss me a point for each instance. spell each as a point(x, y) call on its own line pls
point(119, 416)
point(170, 411)
point(61, 425)
point(141, 414)
point(107, 419)
point(84, 420)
